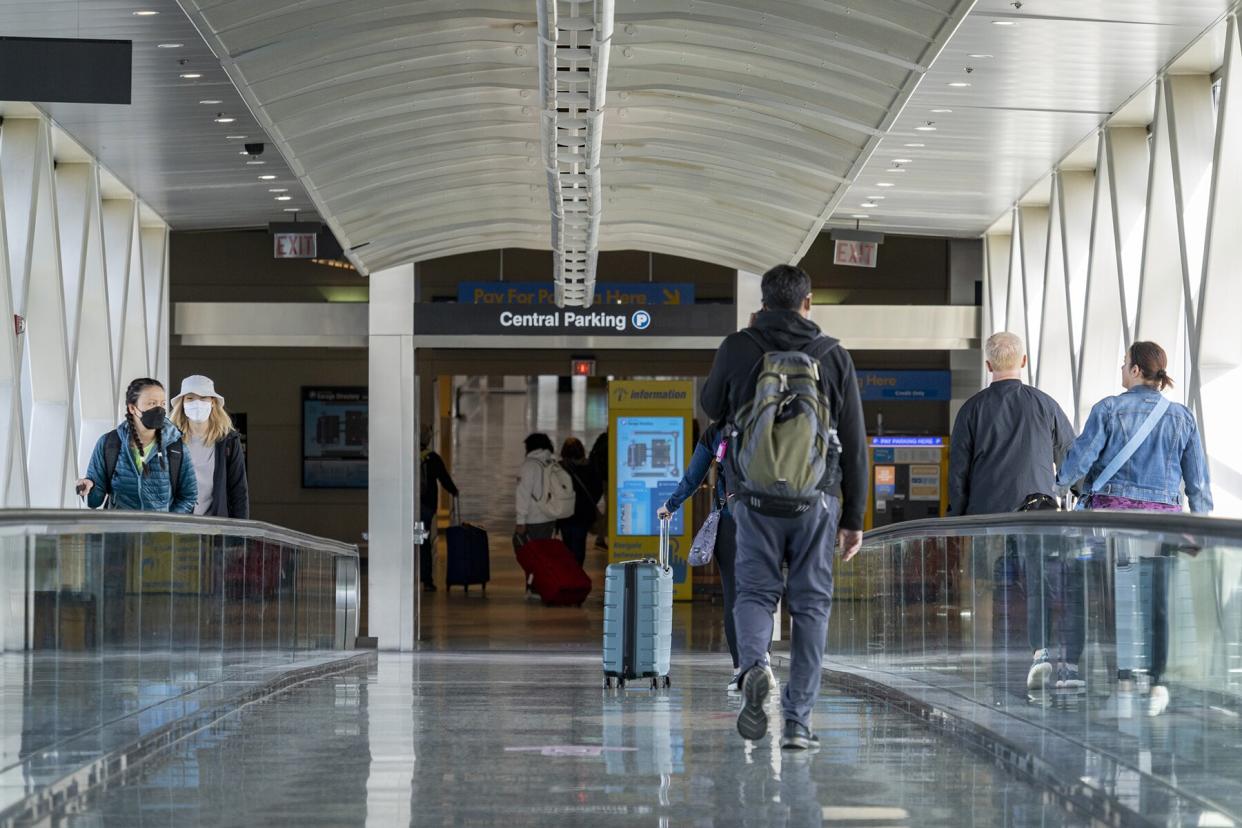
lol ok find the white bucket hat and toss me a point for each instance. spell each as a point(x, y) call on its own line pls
point(199, 385)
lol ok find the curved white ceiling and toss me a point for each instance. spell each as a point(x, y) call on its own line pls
point(730, 128)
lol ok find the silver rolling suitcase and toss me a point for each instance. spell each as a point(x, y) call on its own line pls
point(638, 619)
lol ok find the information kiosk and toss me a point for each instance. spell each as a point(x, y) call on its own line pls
point(649, 433)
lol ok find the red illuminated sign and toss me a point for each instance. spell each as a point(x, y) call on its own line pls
point(855, 253)
point(294, 246)
point(582, 367)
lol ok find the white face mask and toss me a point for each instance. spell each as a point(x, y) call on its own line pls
point(197, 411)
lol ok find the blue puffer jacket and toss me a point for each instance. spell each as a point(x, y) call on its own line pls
point(143, 493)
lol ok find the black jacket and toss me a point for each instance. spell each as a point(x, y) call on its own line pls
point(231, 496)
point(731, 384)
point(434, 475)
point(1007, 442)
point(587, 491)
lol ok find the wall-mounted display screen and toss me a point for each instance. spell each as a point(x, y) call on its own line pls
point(650, 454)
point(334, 438)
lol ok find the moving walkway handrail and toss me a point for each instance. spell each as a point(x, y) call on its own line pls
point(1083, 523)
point(103, 521)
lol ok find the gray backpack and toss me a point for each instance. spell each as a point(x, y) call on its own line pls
point(783, 449)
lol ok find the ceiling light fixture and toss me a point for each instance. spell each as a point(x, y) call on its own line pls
point(860, 216)
point(235, 137)
point(255, 163)
point(876, 198)
point(959, 84)
point(885, 184)
point(169, 45)
point(902, 161)
point(293, 209)
point(210, 101)
point(221, 118)
point(868, 204)
point(927, 127)
point(146, 13)
point(980, 57)
point(267, 178)
point(279, 190)
point(190, 75)
point(1003, 23)
point(942, 111)
point(284, 198)
point(915, 146)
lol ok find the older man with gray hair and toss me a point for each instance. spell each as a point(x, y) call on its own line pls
point(1008, 439)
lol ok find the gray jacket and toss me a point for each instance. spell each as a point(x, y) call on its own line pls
point(1006, 443)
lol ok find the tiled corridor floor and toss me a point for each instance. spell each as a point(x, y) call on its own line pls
point(532, 739)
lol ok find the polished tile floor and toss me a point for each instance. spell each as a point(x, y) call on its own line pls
point(516, 739)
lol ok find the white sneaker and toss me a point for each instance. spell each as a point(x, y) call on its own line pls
point(1158, 701)
point(1040, 675)
point(735, 683)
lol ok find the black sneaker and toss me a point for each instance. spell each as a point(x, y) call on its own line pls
point(798, 737)
point(752, 721)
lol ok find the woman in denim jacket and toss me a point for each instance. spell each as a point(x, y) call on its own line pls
point(1171, 457)
point(705, 452)
point(1151, 480)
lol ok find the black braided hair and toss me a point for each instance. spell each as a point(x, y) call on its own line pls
point(131, 398)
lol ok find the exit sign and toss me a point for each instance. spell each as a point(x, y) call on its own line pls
point(295, 245)
point(582, 367)
point(855, 253)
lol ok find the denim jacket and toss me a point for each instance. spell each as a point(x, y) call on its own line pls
point(700, 464)
point(1172, 455)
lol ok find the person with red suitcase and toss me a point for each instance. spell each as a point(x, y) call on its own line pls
point(545, 494)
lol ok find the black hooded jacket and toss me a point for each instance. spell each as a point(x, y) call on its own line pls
point(731, 384)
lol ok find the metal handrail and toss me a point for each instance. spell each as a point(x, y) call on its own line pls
point(1079, 523)
point(104, 521)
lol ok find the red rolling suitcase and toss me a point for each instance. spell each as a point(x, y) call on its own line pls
point(556, 576)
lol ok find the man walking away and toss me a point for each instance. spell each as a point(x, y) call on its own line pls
point(1007, 443)
point(432, 475)
point(1008, 439)
point(803, 388)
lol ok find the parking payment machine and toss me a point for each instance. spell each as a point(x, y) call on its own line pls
point(909, 479)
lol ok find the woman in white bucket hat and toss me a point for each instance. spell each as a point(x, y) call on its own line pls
point(215, 447)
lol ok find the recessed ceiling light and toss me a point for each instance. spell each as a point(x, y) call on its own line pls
point(169, 45)
point(284, 198)
point(902, 161)
point(895, 170)
point(146, 13)
point(267, 178)
point(981, 57)
point(884, 184)
point(224, 119)
point(243, 152)
point(876, 198)
point(191, 75)
point(210, 101)
point(255, 163)
point(959, 84)
point(279, 190)
point(293, 209)
point(860, 216)
point(942, 111)
point(915, 146)
point(1004, 23)
point(925, 128)
point(868, 204)
point(235, 137)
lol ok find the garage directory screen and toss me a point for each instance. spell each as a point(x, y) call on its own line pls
point(650, 454)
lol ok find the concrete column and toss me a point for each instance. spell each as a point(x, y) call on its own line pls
point(748, 298)
point(965, 269)
point(393, 598)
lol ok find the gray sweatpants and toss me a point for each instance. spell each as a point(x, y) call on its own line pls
point(806, 543)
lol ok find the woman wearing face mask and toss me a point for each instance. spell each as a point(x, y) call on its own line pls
point(141, 464)
point(215, 446)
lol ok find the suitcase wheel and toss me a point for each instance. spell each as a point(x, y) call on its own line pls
point(668, 682)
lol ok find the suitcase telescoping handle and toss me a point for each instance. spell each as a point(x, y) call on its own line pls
point(665, 523)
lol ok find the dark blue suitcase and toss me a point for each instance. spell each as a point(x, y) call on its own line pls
point(469, 558)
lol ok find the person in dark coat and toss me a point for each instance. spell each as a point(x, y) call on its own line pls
point(215, 447)
point(587, 491)
point(432, 475)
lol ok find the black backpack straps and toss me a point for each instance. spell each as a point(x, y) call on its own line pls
point(176, 451)
point(111, 454)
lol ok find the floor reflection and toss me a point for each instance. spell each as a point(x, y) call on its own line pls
point(503, 739)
